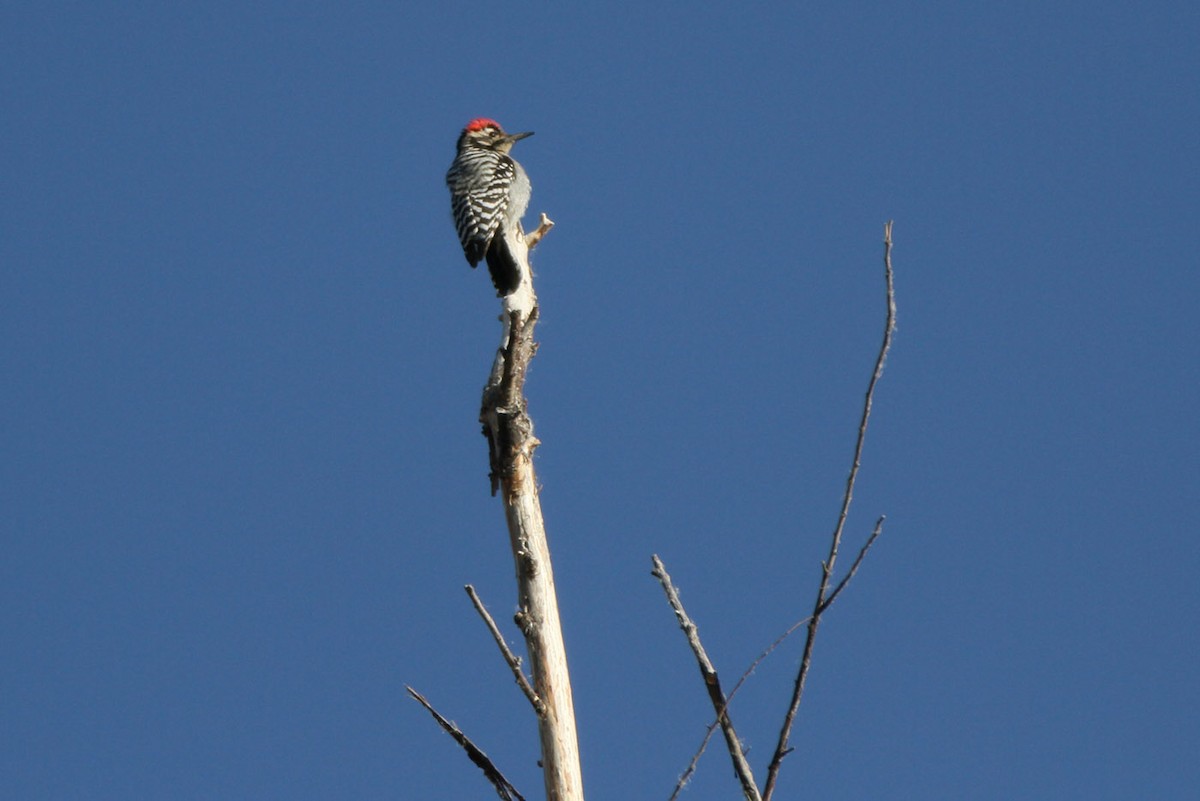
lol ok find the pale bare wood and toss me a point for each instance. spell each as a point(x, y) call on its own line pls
point(544, 226)
point(511, 442)
point(512, 660)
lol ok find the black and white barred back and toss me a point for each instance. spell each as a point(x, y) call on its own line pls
point(479, 180)
point(489, 193)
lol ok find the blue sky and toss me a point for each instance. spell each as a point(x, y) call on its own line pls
point(243, 484)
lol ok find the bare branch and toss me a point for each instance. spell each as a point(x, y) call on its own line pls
point(854, 567)
point(712, 727)
point(511, 444)
point(782, 749)
point(711, 681)
point(506, 425)
point(503, 786)
point(514, 661)
point(535, 236)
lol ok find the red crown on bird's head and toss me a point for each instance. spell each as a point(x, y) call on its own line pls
point(480, 123)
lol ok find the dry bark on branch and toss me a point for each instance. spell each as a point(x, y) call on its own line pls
point(511, 444)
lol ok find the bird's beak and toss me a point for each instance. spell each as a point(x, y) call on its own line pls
point(515, 137)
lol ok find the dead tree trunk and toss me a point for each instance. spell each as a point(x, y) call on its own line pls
point(509, 431)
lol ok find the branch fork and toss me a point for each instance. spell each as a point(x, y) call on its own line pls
point(825, 598)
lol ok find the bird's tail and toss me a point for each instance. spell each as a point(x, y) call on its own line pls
point(505, 272)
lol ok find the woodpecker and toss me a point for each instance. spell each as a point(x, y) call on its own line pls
point(489, 193)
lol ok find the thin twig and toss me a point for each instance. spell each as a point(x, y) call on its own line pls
point(712, 682)
point(544, 226)
point(712, 727)
point(782, 749)
point(474, 753)
point(875, 532)
point(514, 661)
